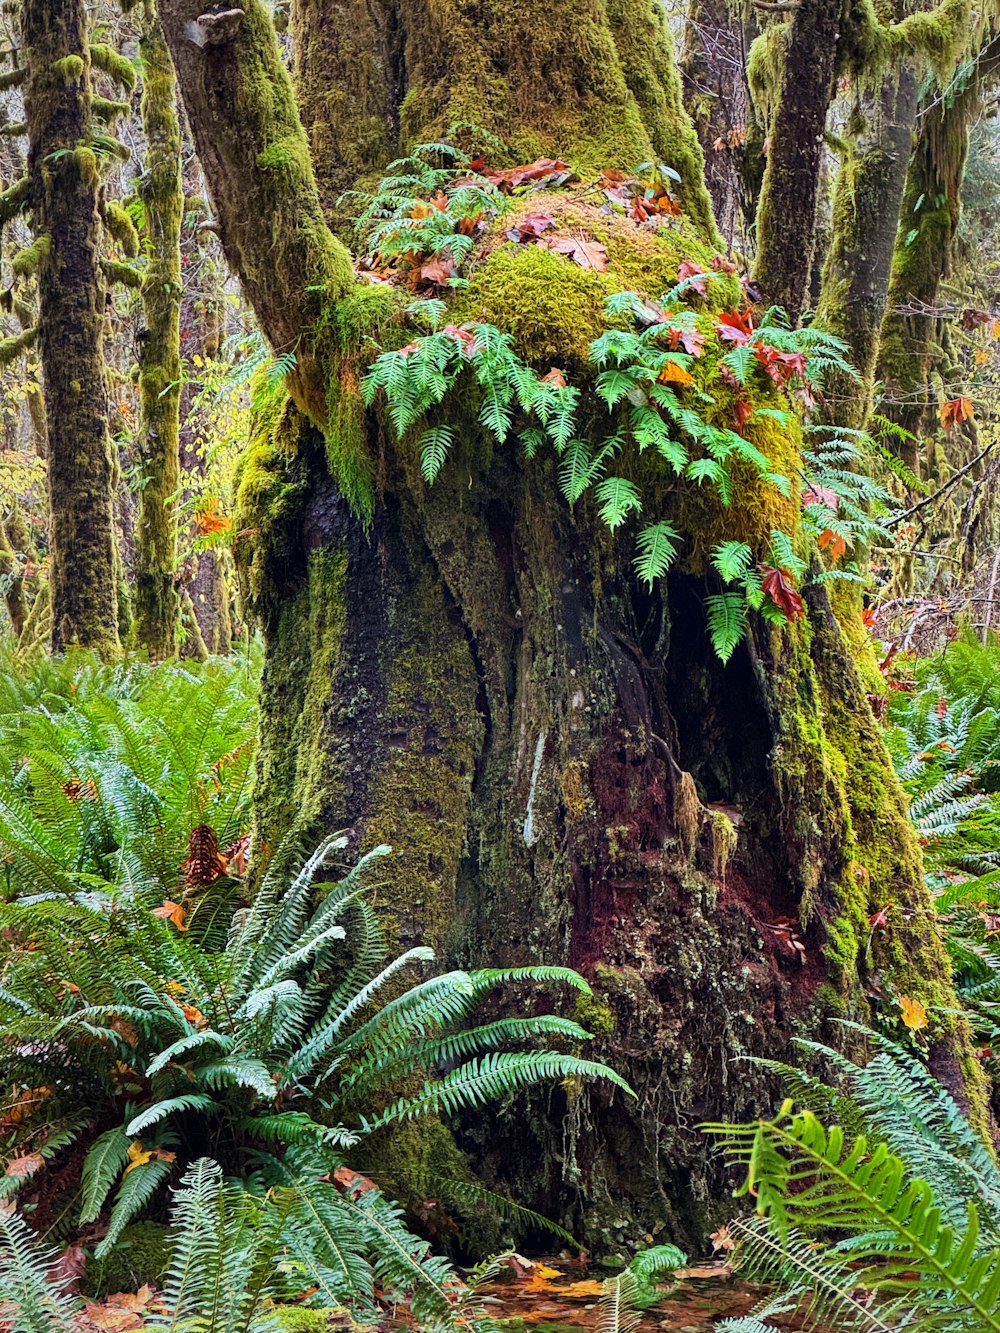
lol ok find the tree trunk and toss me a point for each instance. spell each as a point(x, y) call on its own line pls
point(563, 767)
point(913, 329)
point(156, 607)
point(866, 210)
point(804, 54)
point(64, 194)
point(718, 101)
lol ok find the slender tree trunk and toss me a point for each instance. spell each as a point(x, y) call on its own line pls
point(866, 208)
point(156, 608)
point(786, 218)
point(65, 185)
point(564, 769)
point(718, 101)
point(913, 329)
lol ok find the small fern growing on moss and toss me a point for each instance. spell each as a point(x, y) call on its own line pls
point(644, 381)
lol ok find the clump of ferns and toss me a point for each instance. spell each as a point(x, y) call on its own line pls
point(877, 1206)
point(248, 1034)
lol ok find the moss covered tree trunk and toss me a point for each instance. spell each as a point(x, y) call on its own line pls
point(156, 606)
point(65, 186)
point(914, 332)
point(866, 210)
point(564, 768)
point(802, 57)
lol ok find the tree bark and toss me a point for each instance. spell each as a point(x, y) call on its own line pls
point(786, 218)
point(64, 186)
point(717, 97)
point(157, 608)
point(564, 769)
point(866, 209)
point(912, 330)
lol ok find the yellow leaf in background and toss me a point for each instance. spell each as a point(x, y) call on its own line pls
point(982, 356)
point(914, 1013)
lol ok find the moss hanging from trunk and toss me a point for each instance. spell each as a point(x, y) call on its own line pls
point(65, 186)
point(156, 607)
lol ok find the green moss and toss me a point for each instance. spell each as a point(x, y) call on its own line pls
point(27, 262)
point(111, 62)
point(140, 1258)
point(108, 111)
point(12, 347)
point(70, 69)
point(553, 309)
point(296, 1319)
point(14, 200)
point(121, 227)
point(266, 493)
point(594, 1014)
point(117, 271)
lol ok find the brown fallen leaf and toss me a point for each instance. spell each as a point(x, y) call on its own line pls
point(588, 254)
point(26, 1165)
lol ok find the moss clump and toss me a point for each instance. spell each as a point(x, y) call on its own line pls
point(117, 271)
point(594, 1014)
point(296, 1319)
point(121, 228)
point(69, 69)
point(117, 67)
point(140, 1258)
point(27, 262)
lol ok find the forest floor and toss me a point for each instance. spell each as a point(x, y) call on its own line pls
point(542, 1300)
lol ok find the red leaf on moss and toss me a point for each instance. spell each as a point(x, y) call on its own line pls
point(531, 227)
point(543, 171)
point(556, 377)
point(438, 272)
point(742, 412)
point(723, 265)
point(689, 269)
point(775, 583)
point(733, 326)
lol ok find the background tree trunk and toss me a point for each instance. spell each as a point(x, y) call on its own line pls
point(156, 609)
point(64, 196)
point(802, 56)
point(563, 767)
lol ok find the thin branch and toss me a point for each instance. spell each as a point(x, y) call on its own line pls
point(929, 499)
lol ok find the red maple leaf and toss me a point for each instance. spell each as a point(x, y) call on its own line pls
point(734, 327)
point(775, 583)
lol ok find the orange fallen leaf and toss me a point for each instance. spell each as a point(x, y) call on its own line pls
point(828, 539)
point(955, 411)
point(172, 912)
point(672, 373)
point(914, 1013)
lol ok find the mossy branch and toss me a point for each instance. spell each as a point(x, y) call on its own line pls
point(14, 129)
point(251, 144)
point(121, 227)
point(112, 63)
point(14, 200)
point(27, 262)
point(11, 348)
point(13, 78)
point(108, 111)
point(126, 275)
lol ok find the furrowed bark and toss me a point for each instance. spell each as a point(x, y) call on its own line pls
point(65, 185)
point(156, 608)
point(866, 208)
point(786, 218)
